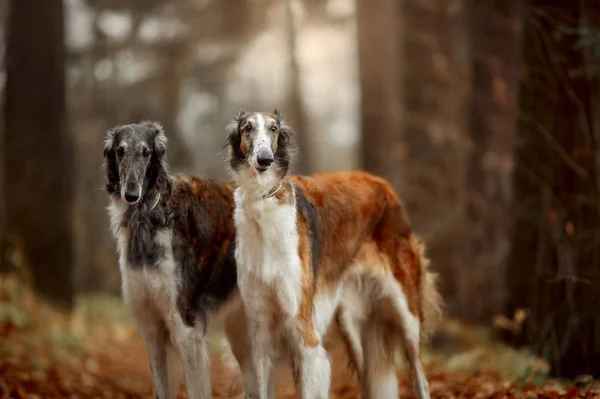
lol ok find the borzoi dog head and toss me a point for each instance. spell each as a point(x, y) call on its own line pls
point(134, 160)
point(260, 147)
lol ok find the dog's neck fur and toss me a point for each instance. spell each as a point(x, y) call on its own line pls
point(143, 221)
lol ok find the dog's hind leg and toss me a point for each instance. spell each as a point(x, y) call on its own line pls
point(350, 329)
point(379, 374)
point(173, 370)
point(235, 326)
point(409, 326)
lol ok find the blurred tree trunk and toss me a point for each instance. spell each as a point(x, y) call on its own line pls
point(297, 114)
point(4, 267)
point(174, 74)
point(591, 20)
point(380, 76)
point(39, 167)
point(554, 266)
point(437, 89)
point(494, 42)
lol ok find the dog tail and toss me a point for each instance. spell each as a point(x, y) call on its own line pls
point(430, 299)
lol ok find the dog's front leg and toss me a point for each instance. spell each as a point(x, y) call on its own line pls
point(315, 373)
point(192, 348)
point(154, 335)
point(310, 366)
point(263, 358)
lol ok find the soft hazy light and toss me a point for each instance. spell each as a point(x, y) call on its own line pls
point(150, 29)
point(154, 29)
point(115, 25)
point(196, 107)
point(133, 67)
point(103, 69)
point(196, 121)
point(74, 75)
point(261, 70)
point(329, 71)
point(343, 132)
point(207, 53)
point(79, 25)
point(341, 8)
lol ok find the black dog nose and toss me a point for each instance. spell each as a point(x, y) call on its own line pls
point(264, 159)
point(131, 196)
point(132, 193)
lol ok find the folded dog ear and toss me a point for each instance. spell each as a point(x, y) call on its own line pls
point(157, 170)
point(109, 138)
point(286, 130)
point(233, 128)
point(241, 115)
point(160, 138)
point(110, 161)
point(287, 133)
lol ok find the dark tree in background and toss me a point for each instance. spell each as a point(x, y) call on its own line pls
point(494, 30)
point(3, 215)
point(448, 152)
point(380, 72)
point(38, 151)
point(173, 75)
point(554, 267)
point(297, 116)
point(436, 89)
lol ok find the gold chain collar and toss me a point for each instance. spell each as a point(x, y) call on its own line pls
point(274, 190)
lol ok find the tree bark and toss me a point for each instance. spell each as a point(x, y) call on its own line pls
point(379, 48)
point(39, 168)
point(174, 74)
point(436, 91)
point(4, 266)
point(554, 267)
point(494, 40)
point(297, 114)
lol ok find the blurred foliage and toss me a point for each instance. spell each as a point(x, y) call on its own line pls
point(481, 351)
point(588, 41)
point(95, 352)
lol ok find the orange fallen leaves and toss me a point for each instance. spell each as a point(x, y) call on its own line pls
point(39, 359)
point(127, 377)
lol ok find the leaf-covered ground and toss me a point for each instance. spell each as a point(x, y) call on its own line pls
point(95, 352)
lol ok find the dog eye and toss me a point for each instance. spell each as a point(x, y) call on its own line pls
point(146, 152)
point(274, 129)
point(121, 151)
point(248, 128)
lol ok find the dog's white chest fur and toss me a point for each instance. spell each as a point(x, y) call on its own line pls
point(146, 289)
point(267, 251)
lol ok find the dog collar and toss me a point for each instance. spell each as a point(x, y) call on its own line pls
point(274, 190)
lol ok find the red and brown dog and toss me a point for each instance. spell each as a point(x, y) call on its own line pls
point(308, 247)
